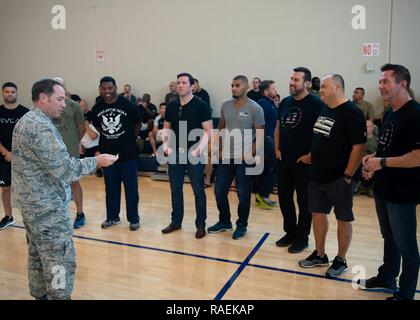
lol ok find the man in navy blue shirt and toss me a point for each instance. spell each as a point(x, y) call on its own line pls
point(266, 181)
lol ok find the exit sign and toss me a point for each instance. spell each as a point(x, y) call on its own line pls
point(370, 50)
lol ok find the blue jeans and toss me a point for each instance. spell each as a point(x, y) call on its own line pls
point(125, 172)
point(398, 228)
point(225, 173)
point(176, 178)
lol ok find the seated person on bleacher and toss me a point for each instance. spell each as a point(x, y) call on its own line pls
point(155, 135)
point(149, 115)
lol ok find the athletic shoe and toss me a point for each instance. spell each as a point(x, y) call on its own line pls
point(134, 226)
point(219, 227)
point(338, 267)
point(109, 223)
point(265, 203)
point(239, 233)
point(298, 246)
point(376, 283)
point(286, 241)
point(314, 261)
point(80, 221)
point(6, 222)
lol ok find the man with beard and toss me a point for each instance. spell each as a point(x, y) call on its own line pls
point(118, 122)
point(10, 113)
point(296, 118)
point(237, 115)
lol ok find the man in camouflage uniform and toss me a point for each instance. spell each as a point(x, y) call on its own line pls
point(42, 172)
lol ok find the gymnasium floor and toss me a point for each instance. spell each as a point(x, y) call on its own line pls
point(119, 264)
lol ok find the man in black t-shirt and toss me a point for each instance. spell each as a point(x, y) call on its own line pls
point(200, 92)
point(181, 118)
point(10, 113)
point(118, 122)
point(338, 145)
point(396, 170)
point(293, 137)
point(255, 93)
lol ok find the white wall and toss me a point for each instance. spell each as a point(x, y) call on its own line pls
point(147, 42)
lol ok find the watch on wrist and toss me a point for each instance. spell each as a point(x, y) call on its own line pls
point(383, 162)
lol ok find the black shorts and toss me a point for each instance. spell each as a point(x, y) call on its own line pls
point(338, 194)
point(5, 174)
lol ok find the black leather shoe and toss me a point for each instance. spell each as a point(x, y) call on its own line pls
point(286, 241)
point(171, 228)
point(201, 233)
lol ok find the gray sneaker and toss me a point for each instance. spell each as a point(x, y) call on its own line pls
point(109, 223)
point(338, 267)
point(314, 261)
point(134, 226)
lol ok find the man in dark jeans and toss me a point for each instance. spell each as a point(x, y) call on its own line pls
point(182, 117)
point(266, 181)
point(293, 136)
point(118, 122)
point(396, 187)
point(237, 115)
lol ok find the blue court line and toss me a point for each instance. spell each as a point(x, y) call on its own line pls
point(150, 248)
point(240, 269)
point(213, 259)
point(311, 275)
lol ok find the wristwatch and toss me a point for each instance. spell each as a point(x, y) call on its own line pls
point(383, 162)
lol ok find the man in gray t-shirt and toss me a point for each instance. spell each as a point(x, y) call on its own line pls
point(240, 118)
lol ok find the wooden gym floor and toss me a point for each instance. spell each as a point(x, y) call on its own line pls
point(119, 264)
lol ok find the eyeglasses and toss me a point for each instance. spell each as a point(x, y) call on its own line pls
point(180, 112)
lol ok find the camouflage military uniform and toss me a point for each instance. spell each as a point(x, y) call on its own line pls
point(41, 175)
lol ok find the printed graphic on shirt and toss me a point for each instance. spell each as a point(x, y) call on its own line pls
point(292, 118)
point(111, 123)
point(385, 136)
point(324, 126)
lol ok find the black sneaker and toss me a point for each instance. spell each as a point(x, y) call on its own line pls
point(6, 222)
point(287, 240)
point(314, 261)
point(338, 267)
point(376, 283)
point(298, 246)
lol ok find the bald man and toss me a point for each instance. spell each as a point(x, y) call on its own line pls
point(338, 145)
point(172, 96)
